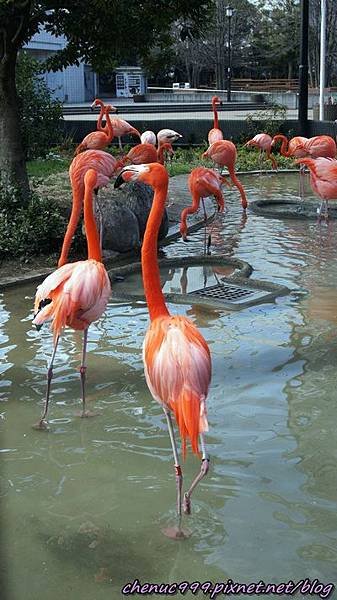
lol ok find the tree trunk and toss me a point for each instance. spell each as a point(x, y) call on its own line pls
point(12, 159)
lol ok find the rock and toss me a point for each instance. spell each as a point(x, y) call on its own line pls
point(120, 226)
point(138, 198)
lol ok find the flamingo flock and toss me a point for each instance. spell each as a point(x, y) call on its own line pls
point(177, 360)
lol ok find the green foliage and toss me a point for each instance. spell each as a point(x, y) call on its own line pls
point(269, 120)
point(29, 230)
point(39, 114)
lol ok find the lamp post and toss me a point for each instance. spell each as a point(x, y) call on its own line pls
point(229, 14)
point(303, 70)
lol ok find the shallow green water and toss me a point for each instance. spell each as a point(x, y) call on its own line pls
point(83, 505)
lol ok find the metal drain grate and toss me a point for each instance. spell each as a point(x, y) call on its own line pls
point(231, 293)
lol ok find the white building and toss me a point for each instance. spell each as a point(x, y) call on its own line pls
point(72, 84)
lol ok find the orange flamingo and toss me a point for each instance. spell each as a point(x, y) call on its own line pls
point(176, 357)
point(263, 141)
point(148, 137)
point(293, 147)
point(202, 182)
point(320, 146)
point(75, 294)
point(98, 139)
point(97, 102)
point(215, 134)
point(106, 166)
point(223, 153)
point(323, 179)
point(147, 153)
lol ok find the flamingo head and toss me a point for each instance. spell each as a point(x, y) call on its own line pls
point(216, 100)
point(168, 135)
point(154, 174)
point(97, 103)
point(109, 108)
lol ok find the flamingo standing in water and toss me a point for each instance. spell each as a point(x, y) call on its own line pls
point(263, 141)
point(293, 148)
point(105, 166)
point(323, 179)
point(223, 154)
point(202, 182)
point(97, 140)
point(76, 294)
point(215, 134)
point(176, 357)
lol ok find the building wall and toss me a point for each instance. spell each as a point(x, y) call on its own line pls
point(68, 84)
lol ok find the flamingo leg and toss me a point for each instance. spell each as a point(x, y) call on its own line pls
point(205, 235)
point(203, 471)
point(83, 368)
point(120, 143)
point(175, 532)
point(301, 175)
point(42, 423)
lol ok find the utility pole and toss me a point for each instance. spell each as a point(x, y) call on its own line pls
point(322, 60)
point(303, 70)
point(229, 14)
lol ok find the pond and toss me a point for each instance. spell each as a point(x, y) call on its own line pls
point(83, 505)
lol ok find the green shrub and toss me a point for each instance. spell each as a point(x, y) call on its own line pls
point(33, 229)
point(39, 113)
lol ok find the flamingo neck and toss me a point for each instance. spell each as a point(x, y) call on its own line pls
point(160, 154)
point(108, 127)
point(215, 113)
point(284, 150)
point(150, 268)
point(190, 210)
point(100, 117)
point(73, 221)
point(94, 249)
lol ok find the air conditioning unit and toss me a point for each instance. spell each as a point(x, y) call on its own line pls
point(175, 86)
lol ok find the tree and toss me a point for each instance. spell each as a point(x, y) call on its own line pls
point(101, 32)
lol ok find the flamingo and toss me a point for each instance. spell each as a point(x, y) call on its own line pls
point(97, 102)
point(76, 294)
point(215, 134)
point(263, 141)
point(147, 153)
point(121, 127)
point(148, 137)
point(323, 179)
point(177, 360)
point(106, 166)
point(202, 182)
point(223, 153)
point(167, 136)
point(320, 146)
point(97, 140)
point(293, 148)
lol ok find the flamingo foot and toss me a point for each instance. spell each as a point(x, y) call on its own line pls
point(84, 414)
point(176, 533)
point(41, 425)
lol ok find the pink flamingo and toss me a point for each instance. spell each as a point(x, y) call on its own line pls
point(202, 182)
point(215, 134)
point(176, 357)
point(76, 294)
point(223, 154)
point(323, 179)
point(97, 140)
point(263, 141)
point(105, 166)
point(121, 127)
point(320, 146)
point(99, 103)
point(167, 136)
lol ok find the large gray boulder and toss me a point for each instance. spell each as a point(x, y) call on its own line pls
point(120, 226)
point(138, 197)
